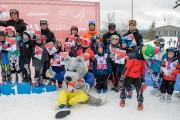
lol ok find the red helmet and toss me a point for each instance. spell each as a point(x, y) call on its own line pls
point(67, 45)
point(10, 28)
point(74, 28)
point(85, 41)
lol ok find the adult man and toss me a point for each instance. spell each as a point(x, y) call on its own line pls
point(92, 30)
point(133, 30)
point(112, 31)
point(15, 21)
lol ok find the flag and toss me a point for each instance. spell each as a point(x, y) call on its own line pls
point(50, 48)
point(55, 62)
point(38, 52)
point(12, 43)
point(62, 56)
point(86, 58)
point(120, 56)
point(131, 37)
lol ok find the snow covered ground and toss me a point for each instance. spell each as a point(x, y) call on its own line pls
point(43, 106)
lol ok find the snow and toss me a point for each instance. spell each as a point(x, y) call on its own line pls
point(43, 107)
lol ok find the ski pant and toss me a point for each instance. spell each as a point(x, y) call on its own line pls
point(38, 71)
point(24, 63)
point(101, 82)
point(14, 64)
point(127, 86)
point(71, 98)
point(156, 79)
point(5, 71)
point(167, 86)
point(89, 77)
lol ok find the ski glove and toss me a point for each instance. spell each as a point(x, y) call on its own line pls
point(50, 73)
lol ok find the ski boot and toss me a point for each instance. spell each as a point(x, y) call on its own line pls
point(4, 79)
point(158, 93)
point(140, 106)
point(35, 82)
point(154, 91)
point(177, 95)
point(122, 103)
point(59, 84)
point(99, 91)
point(162, 97)
point(41, 81)
point(104, 90)
point(169, 98)
point(62, 112)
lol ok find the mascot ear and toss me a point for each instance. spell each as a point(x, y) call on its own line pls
point(79, 59)
point(67, 59)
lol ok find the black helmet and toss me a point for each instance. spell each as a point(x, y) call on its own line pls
point(2, 33)
point(160, 41)
point(111, 26)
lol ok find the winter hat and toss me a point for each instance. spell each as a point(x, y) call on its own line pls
point(10, 28)
point(43, 21)
point(148, 51)
point(132, 22)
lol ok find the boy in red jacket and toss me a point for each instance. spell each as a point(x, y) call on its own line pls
point(170, 68)
point(133, 73)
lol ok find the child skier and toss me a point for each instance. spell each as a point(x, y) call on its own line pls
point(38, 64)
point(170, 68)
point(26, 45)
point(155, 64)
point(95, 39)
point(133, 73)
point(101, 68)
point(114, 39)
point(13, 55)
point(4, 61)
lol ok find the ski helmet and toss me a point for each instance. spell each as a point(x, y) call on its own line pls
point(126, 40)
point(114, 37)
point(111, 26)
point(92, 22)
point(2, 33)
point(10, 28)
point(11, 11)
point(85, 41)
point(67, 45)
point(172, 49)
point(160, 42)
point(95, 37)
point(43, 21)
point(100, 44)
point(148, 51)
point(74, 28)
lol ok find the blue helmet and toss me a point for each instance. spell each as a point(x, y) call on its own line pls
point(126, 40)
point(95, 37)
point(92, 22)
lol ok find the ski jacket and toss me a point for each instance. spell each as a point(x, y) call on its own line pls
point(90, 33)
point(50, 35)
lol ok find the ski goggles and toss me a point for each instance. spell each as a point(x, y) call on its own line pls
point(43, 22)
point(92, 22)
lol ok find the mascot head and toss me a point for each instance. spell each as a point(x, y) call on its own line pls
point(76, 68)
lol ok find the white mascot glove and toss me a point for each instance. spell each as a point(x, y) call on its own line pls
point(82, 86)
point(50, 73)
